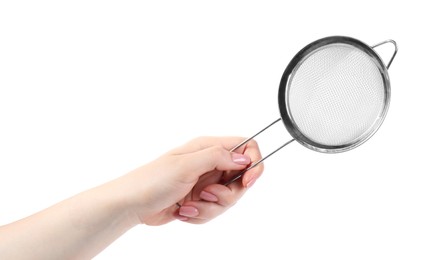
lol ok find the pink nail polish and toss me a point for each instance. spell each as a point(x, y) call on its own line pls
point(188, 211)
point(181, 218)
point(208, 196)
point(240, 158)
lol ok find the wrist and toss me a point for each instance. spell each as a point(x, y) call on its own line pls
point(120, 201)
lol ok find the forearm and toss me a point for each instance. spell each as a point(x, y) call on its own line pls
point(82, 226)
point(77, 228)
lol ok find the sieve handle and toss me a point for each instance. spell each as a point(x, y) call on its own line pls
point(255, 164)
point(246, 140)
point(239, 175)
point(394, 53)
point(235, 178)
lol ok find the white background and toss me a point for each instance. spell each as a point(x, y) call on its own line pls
point(92, 89)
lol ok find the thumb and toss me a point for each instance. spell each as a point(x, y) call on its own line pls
point(213, 158)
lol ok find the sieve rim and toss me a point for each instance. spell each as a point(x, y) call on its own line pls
point(298, 59)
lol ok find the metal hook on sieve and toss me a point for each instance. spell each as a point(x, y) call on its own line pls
point(394, 53)
point(261, 160)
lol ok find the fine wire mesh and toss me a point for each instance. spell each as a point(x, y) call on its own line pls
point(336, 95)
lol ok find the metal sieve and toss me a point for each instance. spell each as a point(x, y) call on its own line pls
point(333, 96)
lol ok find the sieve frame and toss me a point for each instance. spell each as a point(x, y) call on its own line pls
point(285, 115)
point(285, 84)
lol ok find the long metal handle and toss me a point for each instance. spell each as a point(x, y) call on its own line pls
point(256, 163)
point(246, 140)
point(261, 160)
point(394, 53)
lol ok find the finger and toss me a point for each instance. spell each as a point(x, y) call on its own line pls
point(249, 177)
point(204, 142)
point(252, 150)
point(223, 195)
point(199, 212)
point(212, 158)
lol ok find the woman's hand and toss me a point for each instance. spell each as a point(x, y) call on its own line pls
point(192, 176)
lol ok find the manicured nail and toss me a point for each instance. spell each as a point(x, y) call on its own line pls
point(208, 196)
point(240, 158)
point(188, 211)
point(181, 218)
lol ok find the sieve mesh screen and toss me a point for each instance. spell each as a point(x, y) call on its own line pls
point(335, 95)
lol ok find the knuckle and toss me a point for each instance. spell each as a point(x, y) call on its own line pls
point(217, 152)
point(253, 143)
point(229, 200)
point(260, 168)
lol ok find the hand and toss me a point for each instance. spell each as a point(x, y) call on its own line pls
point(193, 176)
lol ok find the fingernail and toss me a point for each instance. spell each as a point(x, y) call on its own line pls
point(188, 211)
point(208, 196)
point(240, 158)
point(181, 218)
point(251, 182)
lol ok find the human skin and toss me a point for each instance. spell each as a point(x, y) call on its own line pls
point(191, 176)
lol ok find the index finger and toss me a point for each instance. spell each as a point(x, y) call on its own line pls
point(204, 142)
